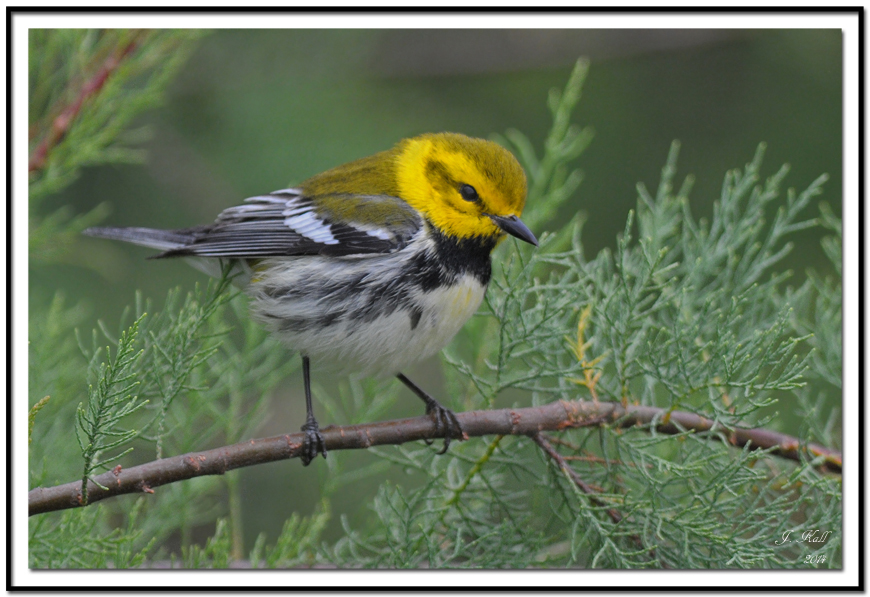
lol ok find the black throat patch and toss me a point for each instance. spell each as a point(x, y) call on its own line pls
point(452, 258)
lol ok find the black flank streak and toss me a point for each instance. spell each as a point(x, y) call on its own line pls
point(330, 318)
point(343, 291)
point(415, 315)
point(384, 299)
point(294, 324)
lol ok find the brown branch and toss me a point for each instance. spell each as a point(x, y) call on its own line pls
point(555, 416)
point(62, 122)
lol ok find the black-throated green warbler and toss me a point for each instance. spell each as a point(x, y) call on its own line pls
point(371, 266)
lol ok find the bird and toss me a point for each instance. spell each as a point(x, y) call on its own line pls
point(369, 267)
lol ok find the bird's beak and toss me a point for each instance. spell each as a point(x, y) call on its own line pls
point(515, 227)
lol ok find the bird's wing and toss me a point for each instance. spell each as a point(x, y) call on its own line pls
point(286, 222)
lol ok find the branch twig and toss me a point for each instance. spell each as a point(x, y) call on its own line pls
point(62, 122)
point(613, 513)
point(555, 416)
point(542, 441)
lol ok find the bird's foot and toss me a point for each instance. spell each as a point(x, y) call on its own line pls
point(313, 444)
point(446, 422)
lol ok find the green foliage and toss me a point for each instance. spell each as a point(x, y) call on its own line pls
point(177, 348)
point(54, 370)
point(31, 417)
point(216, 552)
point(818, 313)
point(83, 538)
point(85, 88)
point(158, 366)
point(684, 313)
point(110, 400)
point(226, 379)
point(295, 546)
point(297, 542)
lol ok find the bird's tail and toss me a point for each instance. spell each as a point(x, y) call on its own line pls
point(170, 241)
point(164, 240)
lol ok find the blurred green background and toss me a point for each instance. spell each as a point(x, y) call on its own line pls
point(258, 110)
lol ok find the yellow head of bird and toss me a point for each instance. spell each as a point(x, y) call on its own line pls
point(466, 187)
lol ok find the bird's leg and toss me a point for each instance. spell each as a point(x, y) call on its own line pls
point(313, 442)
point(445, 420)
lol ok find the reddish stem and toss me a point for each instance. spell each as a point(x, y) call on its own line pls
point(61, 124)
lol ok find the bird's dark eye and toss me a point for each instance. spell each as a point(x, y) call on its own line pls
point(468, 193)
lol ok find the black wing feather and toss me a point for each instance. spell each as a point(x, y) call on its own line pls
point(286, 223)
